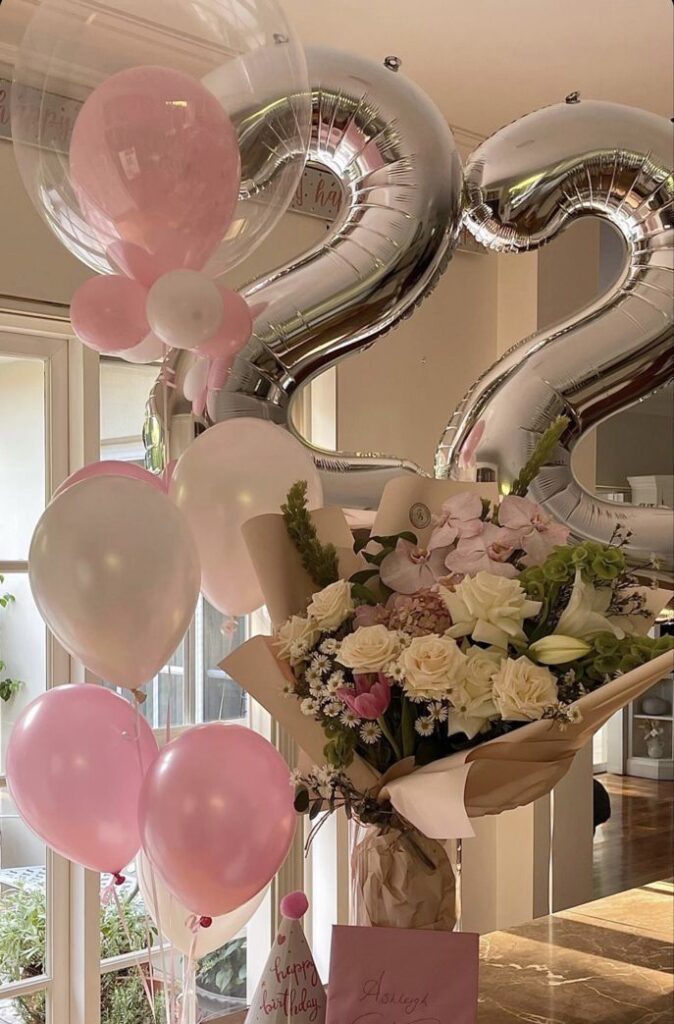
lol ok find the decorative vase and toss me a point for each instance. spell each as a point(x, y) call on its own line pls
point(655, 747)
point(655, 706)
point(404, 880)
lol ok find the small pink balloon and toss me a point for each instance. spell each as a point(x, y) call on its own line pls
point(76, 759)
point(111, 467)
point(237, 327)
point(108, 313)
point(216, 816)
point(150, 350)
point(155, 164)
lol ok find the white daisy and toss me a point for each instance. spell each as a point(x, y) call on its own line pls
point(295, 777)
point(395, 671)
point(313, 677)
point(326, 775)
point(334, 682)
point(438, 712)
point(349, 719)
point(424, 726)
point(575, 715)
point(309, 706)
point(299, 650)
point(320, 662)
point(329, 646)
point(288, 690)
point(333, 708)
point(370, 733)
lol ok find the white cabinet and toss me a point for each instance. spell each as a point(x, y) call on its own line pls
point(650, 752)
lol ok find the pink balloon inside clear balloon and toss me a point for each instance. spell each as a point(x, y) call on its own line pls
point(155, 164)
point(76, 760)
point(108, 313)
point(112, 467)
point(216, 816)
point(237, 327)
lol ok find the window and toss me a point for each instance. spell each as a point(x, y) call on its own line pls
point(33, 882)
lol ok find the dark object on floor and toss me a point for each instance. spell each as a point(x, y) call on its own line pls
point(601, 805)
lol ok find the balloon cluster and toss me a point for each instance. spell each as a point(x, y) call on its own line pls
point(155, 165)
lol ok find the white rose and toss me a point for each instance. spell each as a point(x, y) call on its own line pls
point(295, 634)
point(368, 649)
point(330, 607)
point(433, 666)
point(472, 700)
point(522, 690)
point(489, 608)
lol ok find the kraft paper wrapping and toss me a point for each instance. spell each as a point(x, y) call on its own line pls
point(441, 798)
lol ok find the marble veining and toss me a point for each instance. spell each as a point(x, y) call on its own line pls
point(609, 962)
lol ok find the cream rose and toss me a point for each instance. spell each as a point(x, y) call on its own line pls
point(433, 666)
point(295, 635)
point(331, 606)
point(472, 700)
point(522, 690)
point(489, 608)
point(369, 649)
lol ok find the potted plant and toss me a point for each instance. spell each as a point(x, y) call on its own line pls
point(8, 687)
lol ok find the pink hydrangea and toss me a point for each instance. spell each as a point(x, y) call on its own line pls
point(419, 614)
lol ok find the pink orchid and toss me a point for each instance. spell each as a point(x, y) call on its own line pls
point(460, 517)
point(488, 552)
point(538, 533)
point(371, 698)
point(409, 568)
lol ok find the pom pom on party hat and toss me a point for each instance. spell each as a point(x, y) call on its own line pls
point(290, 989)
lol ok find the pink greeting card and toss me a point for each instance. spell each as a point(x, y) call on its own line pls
point(396, 976)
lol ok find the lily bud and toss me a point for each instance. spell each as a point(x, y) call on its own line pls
point(557, 650)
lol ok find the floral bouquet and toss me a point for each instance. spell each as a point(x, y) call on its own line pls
point(442, 673)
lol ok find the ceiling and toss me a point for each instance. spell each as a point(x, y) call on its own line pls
point(486, 62)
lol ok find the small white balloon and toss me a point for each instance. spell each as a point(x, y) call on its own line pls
point(150, 350)
point(184, 308)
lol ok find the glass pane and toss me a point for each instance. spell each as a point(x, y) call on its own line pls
point(26, 1010)
point(124, 1000)
point(22, 453)
point(22, 906)
point(165, 694)
point(221, 980)
point(124, 392)
point(23, 653)
point(223, 699)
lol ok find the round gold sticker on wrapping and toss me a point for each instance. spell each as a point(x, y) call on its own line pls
point(420, 515)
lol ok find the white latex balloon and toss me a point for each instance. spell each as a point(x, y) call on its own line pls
point(173, 919)
point(184, 308)
point(234, 471)
point(150, 350)
point(115, 575)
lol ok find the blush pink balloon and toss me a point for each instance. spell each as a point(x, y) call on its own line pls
point(108, 313)
point(237, 327)
point(76, 760)
point(216, 816)
point(112, 467)
point(155, 165)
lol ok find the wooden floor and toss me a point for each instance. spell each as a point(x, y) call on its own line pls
point(637, 845)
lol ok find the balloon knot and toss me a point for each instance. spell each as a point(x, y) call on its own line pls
point(139, 696)
point(118, 879)
point(205, 922)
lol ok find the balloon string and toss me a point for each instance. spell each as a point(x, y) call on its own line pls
point(189, 974)
point(171, 1009)
point(125, 925)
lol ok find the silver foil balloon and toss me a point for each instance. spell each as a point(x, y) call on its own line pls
point(524, 185)
point(394, 156)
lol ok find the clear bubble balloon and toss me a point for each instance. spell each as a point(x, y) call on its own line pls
point(242, 52)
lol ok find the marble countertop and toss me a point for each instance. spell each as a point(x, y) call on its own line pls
point(607, 962)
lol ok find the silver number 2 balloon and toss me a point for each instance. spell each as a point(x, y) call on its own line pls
point(394, 155)
point(523, 186)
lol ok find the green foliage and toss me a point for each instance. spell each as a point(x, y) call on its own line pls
point(224, 971)
point(320, 560)
point(541, 455)
point(8, 687)
point(22, 955)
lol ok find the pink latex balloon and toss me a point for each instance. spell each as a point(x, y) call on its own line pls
point(236, 470)
point(76, 759)
point(216, 816)
point(115, 574)
point(237, 327)
point(112, 467)
point(108, 313)
point(155, 164)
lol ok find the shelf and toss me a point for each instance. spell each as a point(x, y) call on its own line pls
point(656, 718)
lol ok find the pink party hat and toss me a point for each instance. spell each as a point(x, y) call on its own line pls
point(290, 989)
